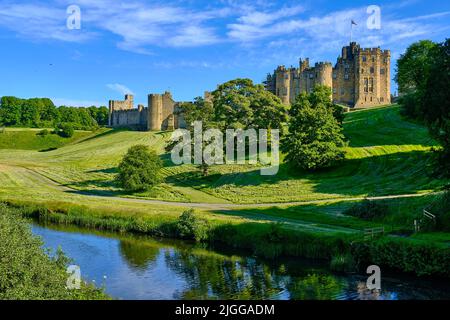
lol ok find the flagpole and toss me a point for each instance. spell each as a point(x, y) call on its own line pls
point(351, 31)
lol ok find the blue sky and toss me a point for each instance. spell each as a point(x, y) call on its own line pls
point(187, 47)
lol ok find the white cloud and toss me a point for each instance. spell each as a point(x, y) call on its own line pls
point(40, 22)
point(120, 88)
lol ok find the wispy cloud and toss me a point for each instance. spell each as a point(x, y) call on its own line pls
point(40, 21)
point(120, 88)
point(142, 27)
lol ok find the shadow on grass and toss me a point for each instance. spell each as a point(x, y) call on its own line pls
point(390, 174)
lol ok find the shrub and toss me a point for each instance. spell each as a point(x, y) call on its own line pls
point(65, 130)
point(43, 132)
point(140, 169)
point(26, 271)
point(192, 227)
point(441, 208)
point(368, 210)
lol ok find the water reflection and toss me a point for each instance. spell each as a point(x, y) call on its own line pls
point(146, 268)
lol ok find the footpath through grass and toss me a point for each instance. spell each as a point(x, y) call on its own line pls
point(386, 156)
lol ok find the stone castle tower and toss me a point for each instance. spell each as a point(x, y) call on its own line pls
point(158, 116)
point(359, 79)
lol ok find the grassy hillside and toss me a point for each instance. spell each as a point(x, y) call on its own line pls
point(30, 139)
point(386, 155)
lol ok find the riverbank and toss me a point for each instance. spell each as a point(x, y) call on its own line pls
point(27, 271)
point(344, 251)
point(142, 267)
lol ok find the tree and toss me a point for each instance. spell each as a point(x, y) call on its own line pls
point(412, 73)
point(322, 95)
point(139, 169)
point(436, 101)
point(65, 130)
point(241, 104)
point(199, 110)
point(10, 111)
point(315, 138)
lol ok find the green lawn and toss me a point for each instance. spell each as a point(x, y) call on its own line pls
point(30, 139)
point(386, 156)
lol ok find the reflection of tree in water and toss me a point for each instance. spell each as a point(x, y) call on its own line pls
point(210, 275)
point(138, 254)
point(315, 287)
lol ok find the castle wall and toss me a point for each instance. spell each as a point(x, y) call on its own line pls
point(360, 78)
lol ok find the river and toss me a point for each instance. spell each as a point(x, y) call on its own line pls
point(139, 267)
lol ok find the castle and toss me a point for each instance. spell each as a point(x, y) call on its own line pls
point(159, 115)
point(359, 79)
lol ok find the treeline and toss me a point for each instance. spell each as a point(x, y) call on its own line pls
point(42, 113)
point(423, 77)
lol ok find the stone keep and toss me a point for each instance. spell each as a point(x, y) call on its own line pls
point(159, 115)
point(359, 79)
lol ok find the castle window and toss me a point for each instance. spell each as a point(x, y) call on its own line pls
point(372, 70)
point(346, 76)
point(334, 75)
point(370, 99)
point(371, 84)
point(382, 71)
point(364, 58)
point(334, 90)
point(362, 70)
point(286, 76)
point(382, 99)
point(373, 59)
point(366, 85)
point(311, 76)
point(342, 91)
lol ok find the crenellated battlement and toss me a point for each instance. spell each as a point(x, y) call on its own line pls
point(360, 77)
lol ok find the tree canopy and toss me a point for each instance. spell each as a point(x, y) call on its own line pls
point(315, 138)
point(41, 112)
point(423, 76)
point(139, 169)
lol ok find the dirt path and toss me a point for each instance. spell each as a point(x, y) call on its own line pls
point(212, 206)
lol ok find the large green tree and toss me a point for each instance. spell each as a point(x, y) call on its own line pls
point(241, 104)
point(413, 69)
point(139, 169)
point(315, 138)
point(436, 101)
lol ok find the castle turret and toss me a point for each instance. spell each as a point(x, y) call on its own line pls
point(155, 104)
point(282, 84)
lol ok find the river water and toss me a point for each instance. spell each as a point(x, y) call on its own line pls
point(138, 267)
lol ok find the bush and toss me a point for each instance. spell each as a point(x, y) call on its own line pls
point(26, 271)
point(441, 209)
point(43, 132)
point(191, 227)
point(404, 255)
point(140, 169)
point(368, 210)
point(65, 130)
